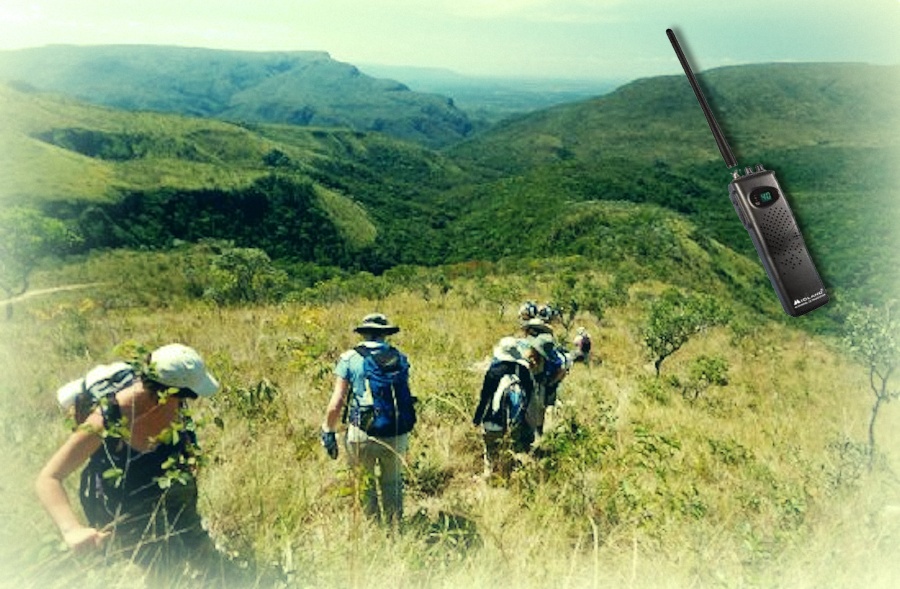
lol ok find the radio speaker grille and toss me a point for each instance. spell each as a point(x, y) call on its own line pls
point(782, 236)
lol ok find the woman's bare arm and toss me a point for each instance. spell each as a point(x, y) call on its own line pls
point(74, 452)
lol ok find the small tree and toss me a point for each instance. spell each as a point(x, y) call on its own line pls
point(704, 372)
point(243, 275)
point(574, 293)
point(674, 318)
point(26, 238)
point(500, 292)
point(567, 294)
point(871, 334)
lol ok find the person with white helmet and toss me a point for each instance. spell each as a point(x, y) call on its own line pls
point(138, 490)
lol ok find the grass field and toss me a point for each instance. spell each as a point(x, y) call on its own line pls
point(758, 483)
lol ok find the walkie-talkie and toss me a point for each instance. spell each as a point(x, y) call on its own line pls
point(763, 209)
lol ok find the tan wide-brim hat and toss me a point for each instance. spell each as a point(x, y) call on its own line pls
point(535, 326)
point(507, 350)
point(376, 323)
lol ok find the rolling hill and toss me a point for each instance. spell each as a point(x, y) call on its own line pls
point(297, 88)
point(119, 177)
point(553, 182)
point(828, 130)
point(752, 477)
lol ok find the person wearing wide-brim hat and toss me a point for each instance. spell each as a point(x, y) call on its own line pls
point(122, 416)
point(536, 326)
point(376, 454)
point(502, 419)
point(376, 325)
point(548, 371)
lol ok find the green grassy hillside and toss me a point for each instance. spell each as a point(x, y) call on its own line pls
point(756, 478)
point(658, 119)
point(128, 170)
point(828, 130)
point(533, 185)
point(759, 481)
point(298, 88)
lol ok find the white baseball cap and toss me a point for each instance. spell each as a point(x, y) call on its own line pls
point(180, 366)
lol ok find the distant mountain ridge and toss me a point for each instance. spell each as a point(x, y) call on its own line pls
point(306, 88)
point(496, 97)
point(791, 105)
point(829, 130)
point(631, 177)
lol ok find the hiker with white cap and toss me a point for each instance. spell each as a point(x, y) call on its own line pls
point(371, 389)
point(505, 393)
point(138, 490)
point(582, 343)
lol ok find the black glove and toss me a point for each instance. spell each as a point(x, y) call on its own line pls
point(329, 442)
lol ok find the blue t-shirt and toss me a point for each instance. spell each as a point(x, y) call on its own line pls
point(350, 367)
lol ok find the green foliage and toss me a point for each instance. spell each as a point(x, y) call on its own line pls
point(255, 402)
point(243, 275)
point(704, 372)
point(573, 292)
point(501, 292)
point(673, 318)
point(871, 333)
point(730, 452)
point(657, 389)
point(570, 180)
point(26, 238)
point(276, 214)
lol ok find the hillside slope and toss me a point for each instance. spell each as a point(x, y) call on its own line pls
point(830, 131)
point(756, 480)
point(652, 119)
point(530, 186)
point(138, 169)
point(298, 88)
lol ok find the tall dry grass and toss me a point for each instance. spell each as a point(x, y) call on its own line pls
point(754, 484)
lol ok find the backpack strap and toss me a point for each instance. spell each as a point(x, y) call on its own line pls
point(386, 357)
point(363, 350)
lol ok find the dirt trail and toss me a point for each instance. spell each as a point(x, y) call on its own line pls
point(46, 291)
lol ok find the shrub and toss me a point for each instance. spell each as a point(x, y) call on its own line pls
point(674, 317)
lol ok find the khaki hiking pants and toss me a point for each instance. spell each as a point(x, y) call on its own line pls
point(378, 463)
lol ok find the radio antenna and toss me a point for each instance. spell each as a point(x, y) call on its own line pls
point(724, 148)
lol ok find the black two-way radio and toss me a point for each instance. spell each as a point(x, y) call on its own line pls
point(763, 209)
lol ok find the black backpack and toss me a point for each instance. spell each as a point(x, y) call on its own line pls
point(117, 477)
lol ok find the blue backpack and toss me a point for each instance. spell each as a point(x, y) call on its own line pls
point(508, 404)
point(387, 408)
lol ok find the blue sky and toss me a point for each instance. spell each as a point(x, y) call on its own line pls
point(541, 38)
